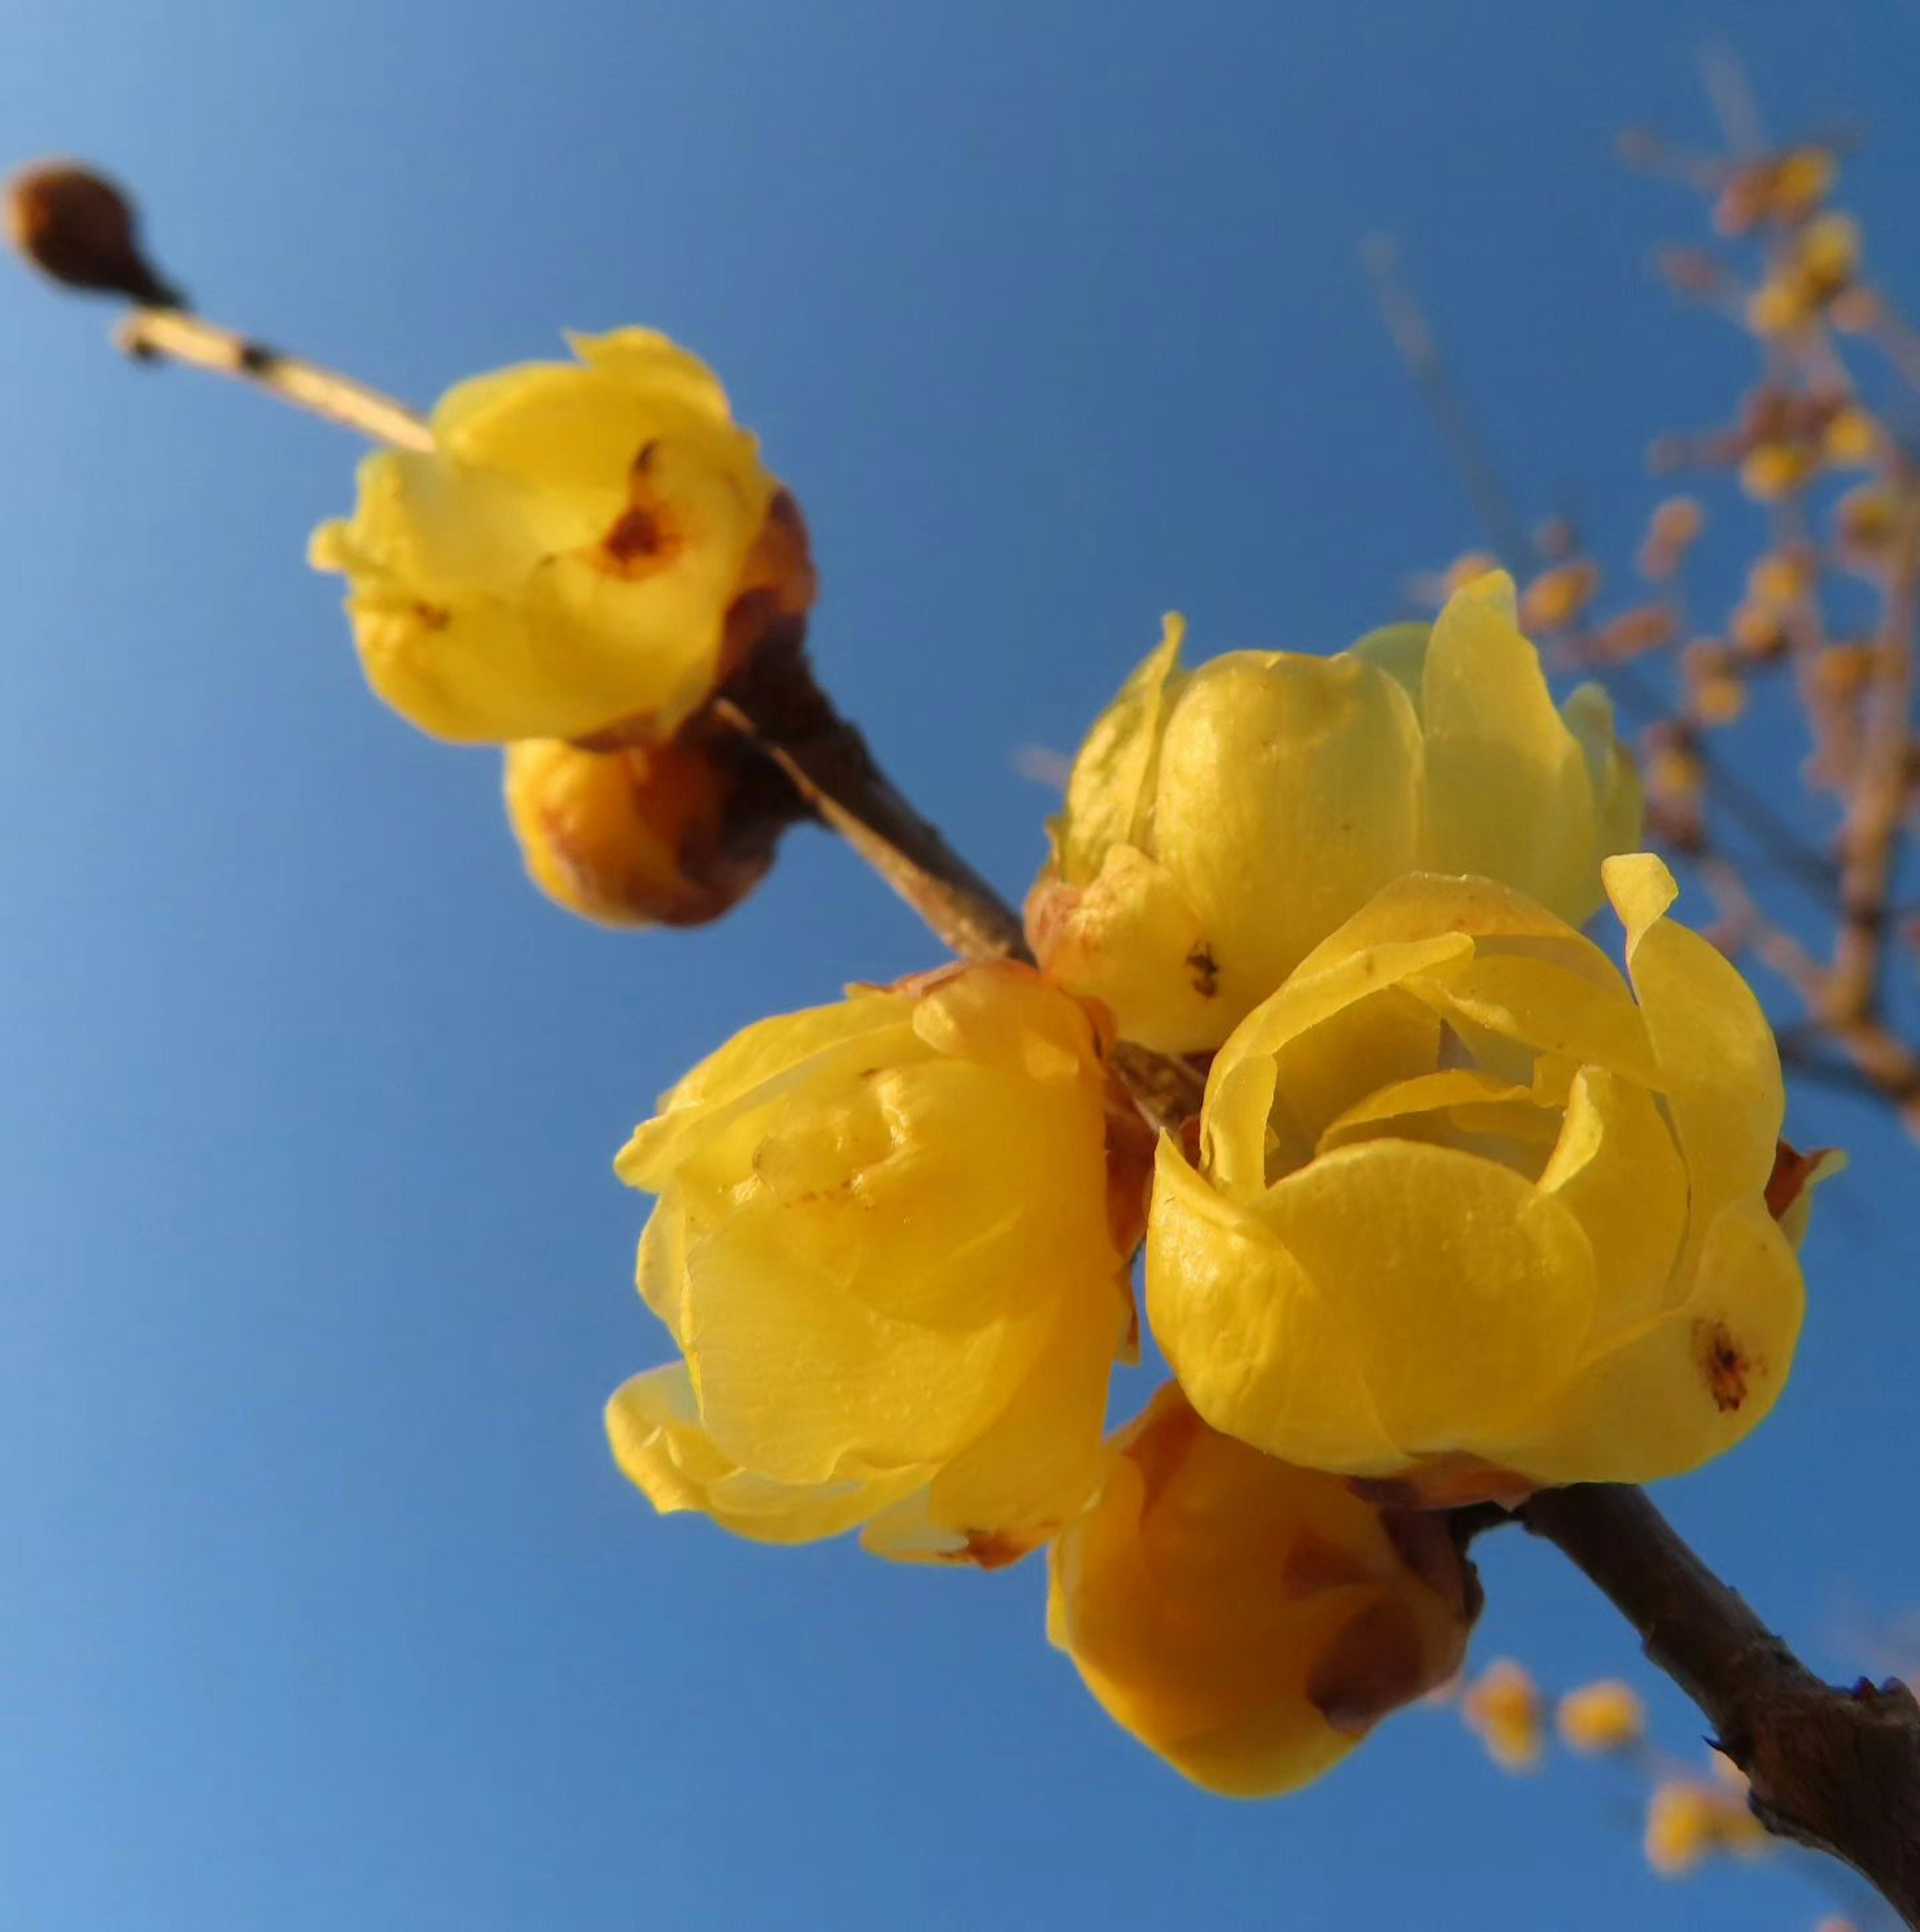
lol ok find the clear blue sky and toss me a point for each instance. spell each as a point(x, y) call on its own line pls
point(322, 1606)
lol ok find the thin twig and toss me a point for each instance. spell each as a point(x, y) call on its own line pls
point(150, 334)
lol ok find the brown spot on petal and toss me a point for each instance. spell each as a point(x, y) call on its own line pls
point(1204, 971)
point(434, 616)
point(636, 541)
point(1722, 1367)
point(1374, 1665)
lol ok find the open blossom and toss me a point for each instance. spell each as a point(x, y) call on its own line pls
point(586, 546)
point(891, 1243)
point(1219, 822)
point(1469, 1216)
point(1249, 1621)
point(669, 835)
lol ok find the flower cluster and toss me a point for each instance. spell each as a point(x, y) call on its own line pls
point(1465, 1211)
point(585, 555)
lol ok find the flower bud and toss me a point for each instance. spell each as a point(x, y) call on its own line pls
point(1689, 1819)
point(1468, 1218)
point(1603, 1717)
point(1503, 1708)
point(585, 547)
point(1221, 822)
point(79, 228)
point(668, 834)
point(892, 1244)
point(1248, 1621)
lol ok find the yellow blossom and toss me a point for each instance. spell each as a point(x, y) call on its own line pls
point(1851, 440)
point(1503, 1708)
point(1220, 822)
point(1689, 1818)
point(586, 546)
point(1601, 1717)
point(1772, 470)
point(672, 835)
point(1467, 1217)
point(891, 1243)
point(1247, 1620)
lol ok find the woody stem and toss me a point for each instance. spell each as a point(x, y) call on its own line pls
point(1836, 1769)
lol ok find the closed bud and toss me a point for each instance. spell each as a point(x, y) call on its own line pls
point(892, 1244)
point(588, 548)
point(1220, 822)
point(1469, 1217)
point(668, 834)
point(80, 229)
point(1248, 1621)
point(1689, 1819)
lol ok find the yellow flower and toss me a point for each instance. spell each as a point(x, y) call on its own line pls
point(1468, 1217)
point(669, 835)
point(891, 1243)
point(1248, 1621)
point(1503, 1708)
point(1220, 823)
point(586, 546)
point(1601, 1717)
point(1689, 1819)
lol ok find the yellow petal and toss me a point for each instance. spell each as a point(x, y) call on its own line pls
point(1686, 1385)
point(1509, 796)
point(1260, 1348)
point(653, 1424)
point(1719, 1067)
point(1463, 1292)
point(1617, 1171)
point(1109, 794)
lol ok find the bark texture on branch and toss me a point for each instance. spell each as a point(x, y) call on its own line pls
point(1836, 1769)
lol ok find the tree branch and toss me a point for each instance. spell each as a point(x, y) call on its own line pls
point(1838, 1770)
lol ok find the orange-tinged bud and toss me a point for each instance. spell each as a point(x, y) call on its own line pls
point(1557, 598)
point(1463, 570)
point(1248, 1621)
point(1503, 1708)
point(668, 834)
point(1851, 440)
point(1772, 470)
point(1600, 1717)
point(79, 228)
point(1780, 579)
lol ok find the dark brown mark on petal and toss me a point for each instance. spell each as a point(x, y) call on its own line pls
point(1204, 970)
point(1723, 1367)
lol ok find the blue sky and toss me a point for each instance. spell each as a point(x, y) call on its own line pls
point(322, 1606)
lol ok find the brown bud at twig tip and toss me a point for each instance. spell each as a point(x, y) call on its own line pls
point(78, 228)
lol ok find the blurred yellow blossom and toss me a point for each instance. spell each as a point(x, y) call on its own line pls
point(1248, 1621)
point(893, 1244)
point(1466, 1216)
point(674, 834)
point(1851, 440)
point(1503, 1708)
point(1772, 470)
point(1690, 1819)
point(586, 546)
point(1219, 822)
point(1600, 1718)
